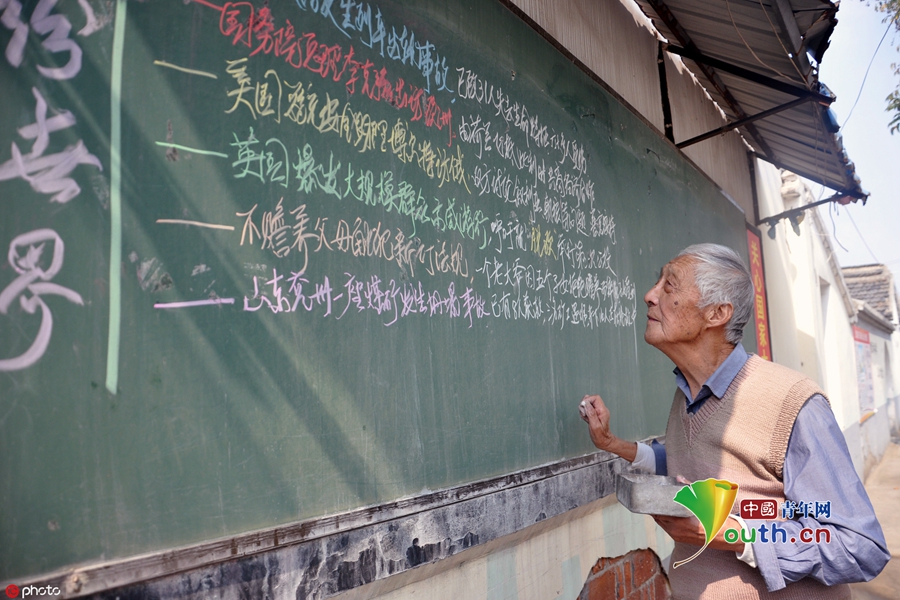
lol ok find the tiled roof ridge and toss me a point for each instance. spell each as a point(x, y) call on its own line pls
point(874, 268)
point(874, 285)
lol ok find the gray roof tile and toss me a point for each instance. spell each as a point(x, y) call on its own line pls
point(871, 284)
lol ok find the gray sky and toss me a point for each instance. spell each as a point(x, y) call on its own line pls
point(867, 140)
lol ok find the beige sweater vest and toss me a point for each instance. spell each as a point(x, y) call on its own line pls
point(742, 438)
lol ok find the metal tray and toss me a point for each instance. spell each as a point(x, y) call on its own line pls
point(649, 494)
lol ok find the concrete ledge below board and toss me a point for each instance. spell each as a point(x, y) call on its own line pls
point(327, 556)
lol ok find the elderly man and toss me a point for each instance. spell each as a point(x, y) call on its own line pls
point(754, 423)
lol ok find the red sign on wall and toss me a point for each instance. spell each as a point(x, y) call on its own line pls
point(760, 310)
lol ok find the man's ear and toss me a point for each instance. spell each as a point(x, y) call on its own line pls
point(719, 315)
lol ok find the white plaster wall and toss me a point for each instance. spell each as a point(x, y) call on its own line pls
point(807, 302)
point(836, 341)
point(809, 334)
point(817, 338)
point(780, 271)
point(793, 287)
point(875, 428)
point(547, 561)
point(839, 361)
point(892, 377)
point(878, 342)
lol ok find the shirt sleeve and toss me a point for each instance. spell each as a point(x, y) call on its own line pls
point(818, 468)
point(659, 451)
point(645, 459)
point(747, 555)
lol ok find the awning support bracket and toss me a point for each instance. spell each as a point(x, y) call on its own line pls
point(792, 214)
point(742, 122)
point(721, 65)
point(664, 94)
point(664, 13)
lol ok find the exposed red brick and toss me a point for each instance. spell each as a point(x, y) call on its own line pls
point(603, 586)
point(634, 576)
point(625, 572)
point(601, 565)
point(637, 594)
point(661, 587)
point(645, 566)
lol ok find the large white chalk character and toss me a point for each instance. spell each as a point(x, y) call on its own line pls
point(48, 174)
point(42, 22)
point(25, 253)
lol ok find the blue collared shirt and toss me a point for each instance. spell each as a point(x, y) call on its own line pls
point(717, 383)
point(817, 467)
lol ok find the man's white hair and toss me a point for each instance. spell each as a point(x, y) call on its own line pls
point(722, 278)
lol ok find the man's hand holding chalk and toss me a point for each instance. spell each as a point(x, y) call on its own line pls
point(596, 415)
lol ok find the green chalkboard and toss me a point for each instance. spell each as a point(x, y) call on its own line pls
point(268, 261)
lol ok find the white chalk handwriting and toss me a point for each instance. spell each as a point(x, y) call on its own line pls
point(25, 253)
point(48, 174)
point(390, 299)
point(371, 30)
point(472, 86)
point(42, 22)
point(580, 297)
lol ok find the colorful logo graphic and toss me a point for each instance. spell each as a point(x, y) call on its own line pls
point(711, 501)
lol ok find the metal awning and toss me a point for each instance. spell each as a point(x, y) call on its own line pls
point(758, 60)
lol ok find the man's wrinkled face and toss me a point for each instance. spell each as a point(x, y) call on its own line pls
point(672, 314)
